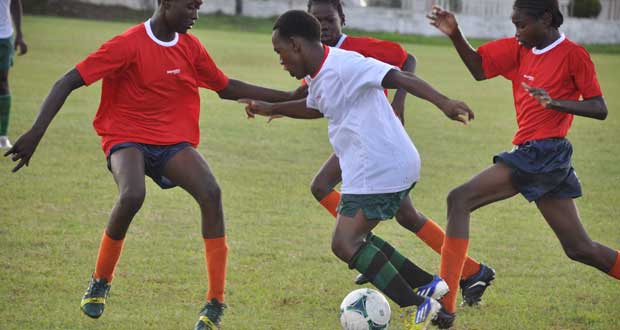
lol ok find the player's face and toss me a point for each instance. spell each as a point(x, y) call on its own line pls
point(331, 26)
point(530, 32)
point(290, 55)
point(180, 15)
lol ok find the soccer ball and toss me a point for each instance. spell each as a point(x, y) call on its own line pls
point(365, 309)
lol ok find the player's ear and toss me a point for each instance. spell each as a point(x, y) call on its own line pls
point(295, 44)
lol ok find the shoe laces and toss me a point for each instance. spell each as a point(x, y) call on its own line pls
point(98, 288)
point(214, 310)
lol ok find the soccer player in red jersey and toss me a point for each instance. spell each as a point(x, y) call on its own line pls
point(148, 123)
point(332, 18)
point(553, 80)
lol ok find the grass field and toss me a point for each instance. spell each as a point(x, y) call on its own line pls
point(282, 274)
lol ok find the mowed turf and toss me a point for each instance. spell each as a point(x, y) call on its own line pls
point(281, 274)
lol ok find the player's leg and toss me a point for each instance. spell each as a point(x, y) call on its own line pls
point(350, 246)
point(127, 166)
point(5, 107)
point(189, 169)
point(491, 185)
point(322, 186)
point(563, 217)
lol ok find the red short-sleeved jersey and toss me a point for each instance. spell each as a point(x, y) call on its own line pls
point(382, 50)
point(150, 87)
point(564, 69)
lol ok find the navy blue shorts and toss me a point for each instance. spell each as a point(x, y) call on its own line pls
point(542, 168)
point(155, 159)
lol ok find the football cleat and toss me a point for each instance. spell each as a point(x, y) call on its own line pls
point(95, 296)
point(426, 313)
point(443, 320)
point(361, 279)
point(5, 143)
point(210, 316)
point(472, 288)
point(436, 289)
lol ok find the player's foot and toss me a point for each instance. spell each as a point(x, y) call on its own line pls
point(472, 288)
point(443, 320)
point(361, 279)
point(5, 143)
point(94, 298)
point(436, 289)
point(425, 313)
point(210, 316)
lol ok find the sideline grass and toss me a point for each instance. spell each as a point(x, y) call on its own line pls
point(282, 275)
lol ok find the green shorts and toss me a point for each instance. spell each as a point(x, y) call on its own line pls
point(374, 206)
point(6, 53)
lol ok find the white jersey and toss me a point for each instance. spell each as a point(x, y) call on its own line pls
point(6, 23)
point(376, 154)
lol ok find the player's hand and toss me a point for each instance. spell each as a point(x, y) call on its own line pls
point(23, 148)
point(443, 20)
point(253, 107)
point(539, 94)
point(457, 110)
point(21, 44)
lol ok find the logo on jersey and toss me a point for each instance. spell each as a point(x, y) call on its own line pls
point(528, 77)
point(175, 71)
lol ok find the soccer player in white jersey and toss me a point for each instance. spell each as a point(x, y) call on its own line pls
point(380, 164)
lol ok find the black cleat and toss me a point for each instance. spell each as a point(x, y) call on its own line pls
point(443, 320)
point(361, 279)
point(210, 316)
point(95, 296)
point(472, 288)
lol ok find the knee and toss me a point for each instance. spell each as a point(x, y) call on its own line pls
point(457, 198)
point(410, 219)
point(132, 199)
point(319, 189)
point(211, 195)
point(341, 250)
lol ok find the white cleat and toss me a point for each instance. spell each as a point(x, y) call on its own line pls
point(5, 143)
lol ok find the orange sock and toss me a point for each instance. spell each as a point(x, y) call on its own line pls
point(453, 253)
point(615, 269)
point(330, 202)
point(216, 253)
point(433, 236)
point(109, 253)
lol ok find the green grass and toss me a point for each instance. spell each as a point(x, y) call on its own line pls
point(281, 272)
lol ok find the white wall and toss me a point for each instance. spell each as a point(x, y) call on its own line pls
point(493, 20)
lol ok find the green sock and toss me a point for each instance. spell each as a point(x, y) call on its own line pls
point(371, 262)
point(5, 109)
point(414, 275)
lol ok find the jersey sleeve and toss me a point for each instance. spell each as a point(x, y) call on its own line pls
point(209, 75)
point(500, 57)
point(582, 71)
point(359, 72)
point(112, 57)
point(385, 51)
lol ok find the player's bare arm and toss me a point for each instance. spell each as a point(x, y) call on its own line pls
point(446, 22)
point(16, 15)
point(398, 102)
point(292, 109)
point(453, 109)
point(24, 147)
point(594, 107)
point(237, 89)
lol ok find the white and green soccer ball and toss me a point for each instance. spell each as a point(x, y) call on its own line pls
point(365, 309)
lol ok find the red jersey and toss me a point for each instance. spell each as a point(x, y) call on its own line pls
point(564, 69)
point(150, 87)
point(382, 50)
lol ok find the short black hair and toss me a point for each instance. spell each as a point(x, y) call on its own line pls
point(537, 8)
point(335, 3)
point(298, 23)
